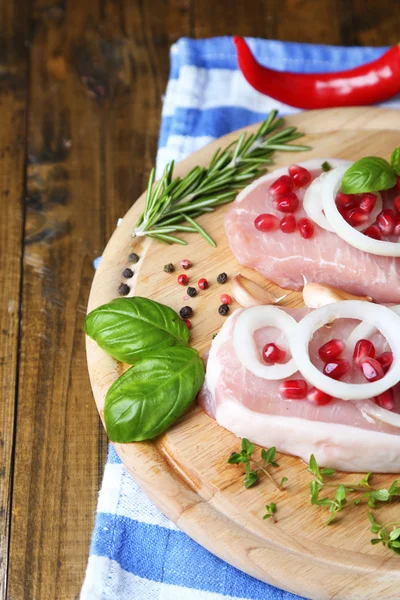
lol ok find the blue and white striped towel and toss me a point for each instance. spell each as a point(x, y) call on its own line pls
point(136, 552)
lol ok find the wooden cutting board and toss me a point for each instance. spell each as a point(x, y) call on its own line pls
point(185, 471)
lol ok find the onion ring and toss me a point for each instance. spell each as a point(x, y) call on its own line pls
point(246, 350)
point(330, 188)
point(363, 331)
point(385, 320)
point(378, 413)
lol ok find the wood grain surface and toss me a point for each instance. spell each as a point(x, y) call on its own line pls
point(185, 471)
point(80, 101)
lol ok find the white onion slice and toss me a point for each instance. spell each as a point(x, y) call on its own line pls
point(312, 201)
point(330, 188)
point(385, 320)
point(246, 350)
point(379, 413)
point(364, 331)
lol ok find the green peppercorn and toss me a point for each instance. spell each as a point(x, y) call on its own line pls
point(223, 310)
point(191, 291)
point(124, 289)
point(222, 277)
point(133, 258)
point(127, 273)
point(186, 312)
point(169, 268)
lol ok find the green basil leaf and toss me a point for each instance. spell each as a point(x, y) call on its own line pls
point(395, 160)
point(369, 174)
point(131, 328)
point(151, 395)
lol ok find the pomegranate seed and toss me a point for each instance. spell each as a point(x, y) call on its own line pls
point(183, 279)
point(345, 200)
point(273, 354)
point(283, 185)
point(266, 222)
point(385, 360)
point(288, 203)
point(363, 349)
point(386, 221)
point(372, 370)
point(306, 228)
point(367, 202)
point(356, 217)
point(294, 389)
point(187, 323)
point(202, 283)
point(316, 396)
point(373, 232)
point(386, 399)
point(331, 350)
point(397, 227)
point(300, 175)
point(288, 224)
point(337, 368)
point(396, 203)
point(226, 299)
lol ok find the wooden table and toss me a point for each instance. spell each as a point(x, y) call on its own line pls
point(80, 98)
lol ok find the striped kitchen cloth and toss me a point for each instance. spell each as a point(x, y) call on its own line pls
point(136, 552)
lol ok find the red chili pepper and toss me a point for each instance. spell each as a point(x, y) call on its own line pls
point(369, 84)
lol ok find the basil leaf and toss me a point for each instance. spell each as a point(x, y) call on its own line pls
point(370, 174)
point(131, 328)
point(395, 160)
point(151, 395)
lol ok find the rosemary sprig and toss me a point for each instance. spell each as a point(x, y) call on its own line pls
point(171, 201)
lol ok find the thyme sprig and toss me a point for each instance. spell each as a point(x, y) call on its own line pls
point(246, 457)
point(174, 200)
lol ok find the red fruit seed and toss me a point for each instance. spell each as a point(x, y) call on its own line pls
point(273, 354)
point(367, 202)
point(294, 389)
point(283, 185)
point(336, 368)
point(385, 360)
point(372, 370)
point(306, 228)
point(266, 222)
point(345, 200)
point(225, 299)
point(187, 323)
point(373, 232)
point(386, 221)
point(386, 399)
point(363, 349)
point(202, 283)
point(288, 224)
point(397, 227)
point(357, 217)
point(318, 397)
point(331, 350)
point(183, 279)
point(300, 175)
point(288, 203)
point(396, 203)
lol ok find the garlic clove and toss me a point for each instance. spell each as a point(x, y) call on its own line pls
point(248, 293)
point(316, 295)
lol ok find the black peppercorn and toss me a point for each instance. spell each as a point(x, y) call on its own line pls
point(169, 268)
point(222, 277)
point(133, 258)
point(186, 312)
point(123, 289)
point(191, 291)
point(223, 309)
point(127, 273)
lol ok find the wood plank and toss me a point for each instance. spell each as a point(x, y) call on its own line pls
point(312, 22)
point(376, 23)
point(229, 18)
point(13, 104)
point(60, 446)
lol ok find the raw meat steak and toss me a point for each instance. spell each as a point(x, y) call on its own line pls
point(325, 258)
point(339, 434)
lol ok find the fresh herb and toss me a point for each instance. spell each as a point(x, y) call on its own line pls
point(151, 395)
point(369, 174)
point(395, 160)
point(388, 535)
point(364, 492)
point(270, 510)
point(173, 200)
point(326, 166)
point(246, 457)
point(131, 328)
